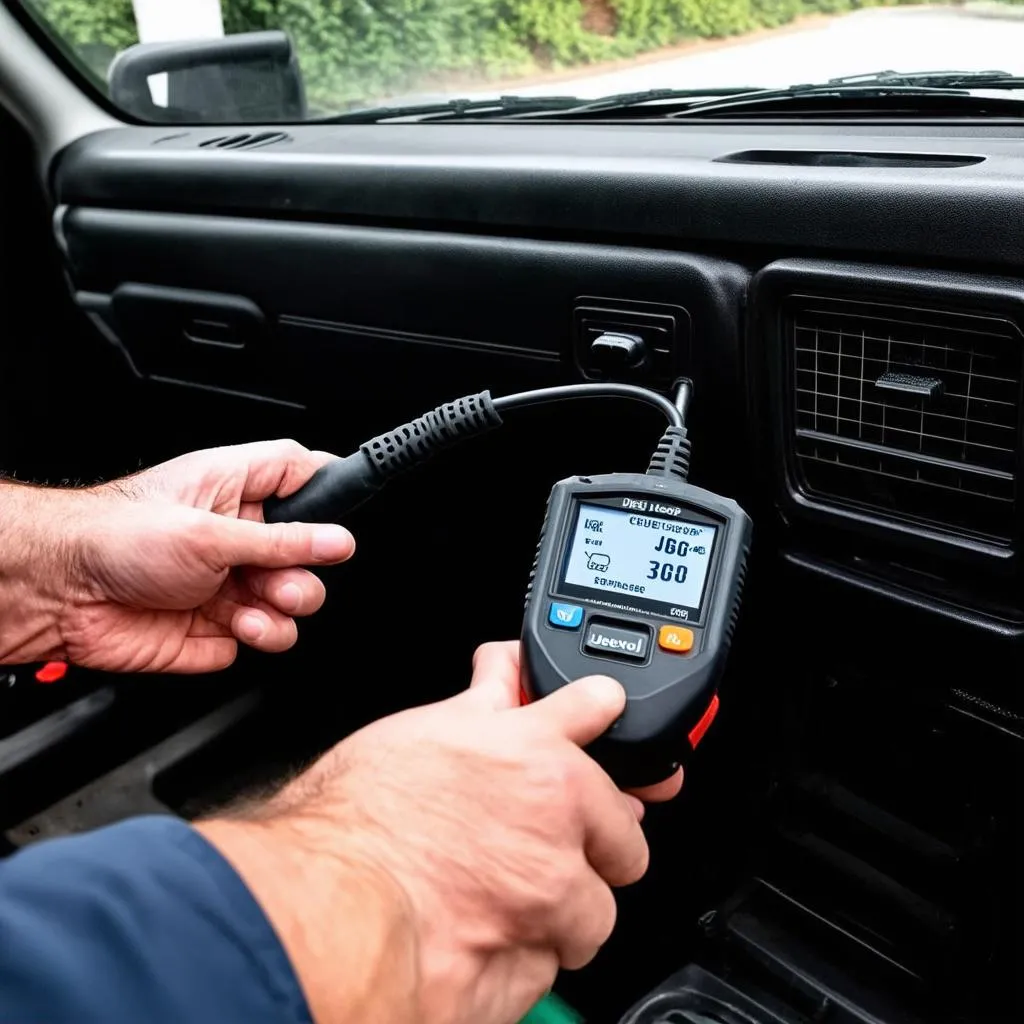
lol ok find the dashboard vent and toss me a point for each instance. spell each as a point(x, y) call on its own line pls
point(244, 140)
point(911, 412)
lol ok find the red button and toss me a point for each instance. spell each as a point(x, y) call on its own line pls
point(52, 672)
point(697, 732)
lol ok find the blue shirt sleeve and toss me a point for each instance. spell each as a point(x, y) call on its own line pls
point(139, 922)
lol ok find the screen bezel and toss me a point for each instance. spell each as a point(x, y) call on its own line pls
point(631, 602)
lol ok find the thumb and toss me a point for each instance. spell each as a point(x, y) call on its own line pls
point(277, 545)
point(495, 682)
point(583, 710)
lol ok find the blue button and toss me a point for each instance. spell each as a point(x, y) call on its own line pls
point(566, 616)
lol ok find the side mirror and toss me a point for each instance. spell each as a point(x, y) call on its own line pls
point(252, 77)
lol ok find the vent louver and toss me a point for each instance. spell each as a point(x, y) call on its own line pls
point(914, 413)
point(244, 140)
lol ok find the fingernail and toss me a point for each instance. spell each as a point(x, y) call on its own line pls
point(331, 543)
point(251, 628)
point(290, 597)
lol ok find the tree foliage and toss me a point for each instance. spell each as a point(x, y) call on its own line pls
point(352, 51)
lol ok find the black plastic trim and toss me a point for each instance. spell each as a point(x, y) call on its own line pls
point(849, 158)
point(632, 182)
point(1002, 629)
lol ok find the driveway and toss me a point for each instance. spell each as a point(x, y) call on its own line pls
point(900, 38)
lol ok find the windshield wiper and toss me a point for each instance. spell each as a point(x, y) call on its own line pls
point(526, 107)
point(693, 102)
point(873, 99)
point(877, 90)
point(626, 100)
point(938, 79)
point(501, 106)
point(847, 94)
point(861, 100)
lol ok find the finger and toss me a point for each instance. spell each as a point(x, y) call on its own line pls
point(495, 681)
point(292, 591)
point(613, 840)
point(203, 626)
point(250, 620)
point(273, 467)
point(636, 805)
point(660, 791)
point(495, 652)
point(585, 923)
point(202, 654)
point(583, 710)
point(232, 542)
point(264, 629)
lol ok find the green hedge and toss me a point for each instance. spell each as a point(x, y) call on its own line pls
point(352, 50)
point(355, 50)
point(108, 23)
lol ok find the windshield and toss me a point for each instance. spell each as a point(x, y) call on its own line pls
point(349, 54)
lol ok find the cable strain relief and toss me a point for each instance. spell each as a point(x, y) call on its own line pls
point(672, 456)
point(412, 443)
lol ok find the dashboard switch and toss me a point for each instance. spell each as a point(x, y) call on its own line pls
point(52, 672)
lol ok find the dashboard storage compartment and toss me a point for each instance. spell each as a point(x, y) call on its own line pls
point(175, 333)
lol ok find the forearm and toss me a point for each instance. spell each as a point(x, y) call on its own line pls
point(143, 921)
point(39, 528)
point(345, 925)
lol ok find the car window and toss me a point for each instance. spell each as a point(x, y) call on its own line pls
point(261, 60)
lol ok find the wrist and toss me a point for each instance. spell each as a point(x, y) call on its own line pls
point(344, 923)
point(40, 547)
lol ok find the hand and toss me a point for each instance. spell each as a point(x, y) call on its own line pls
point(172, 567)
point(440, 865)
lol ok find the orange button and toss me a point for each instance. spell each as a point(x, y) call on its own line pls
point(675, 639)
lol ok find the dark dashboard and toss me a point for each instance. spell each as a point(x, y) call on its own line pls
point(503, 249)
point(718, 186)
point(849, 302)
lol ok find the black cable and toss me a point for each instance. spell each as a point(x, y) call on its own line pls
point(344, 484)
point(684, 392)
point(672, 456)
point(565, 392)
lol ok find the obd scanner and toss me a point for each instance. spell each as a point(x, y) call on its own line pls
point(637, 575)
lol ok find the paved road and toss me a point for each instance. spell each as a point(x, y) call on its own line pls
point(905, 39)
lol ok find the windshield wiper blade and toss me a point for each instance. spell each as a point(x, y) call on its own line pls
point(992, 79)
point(623, 100)
point(763, 97)
point(501, 106)
point(874, 100)
point(697, 102)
